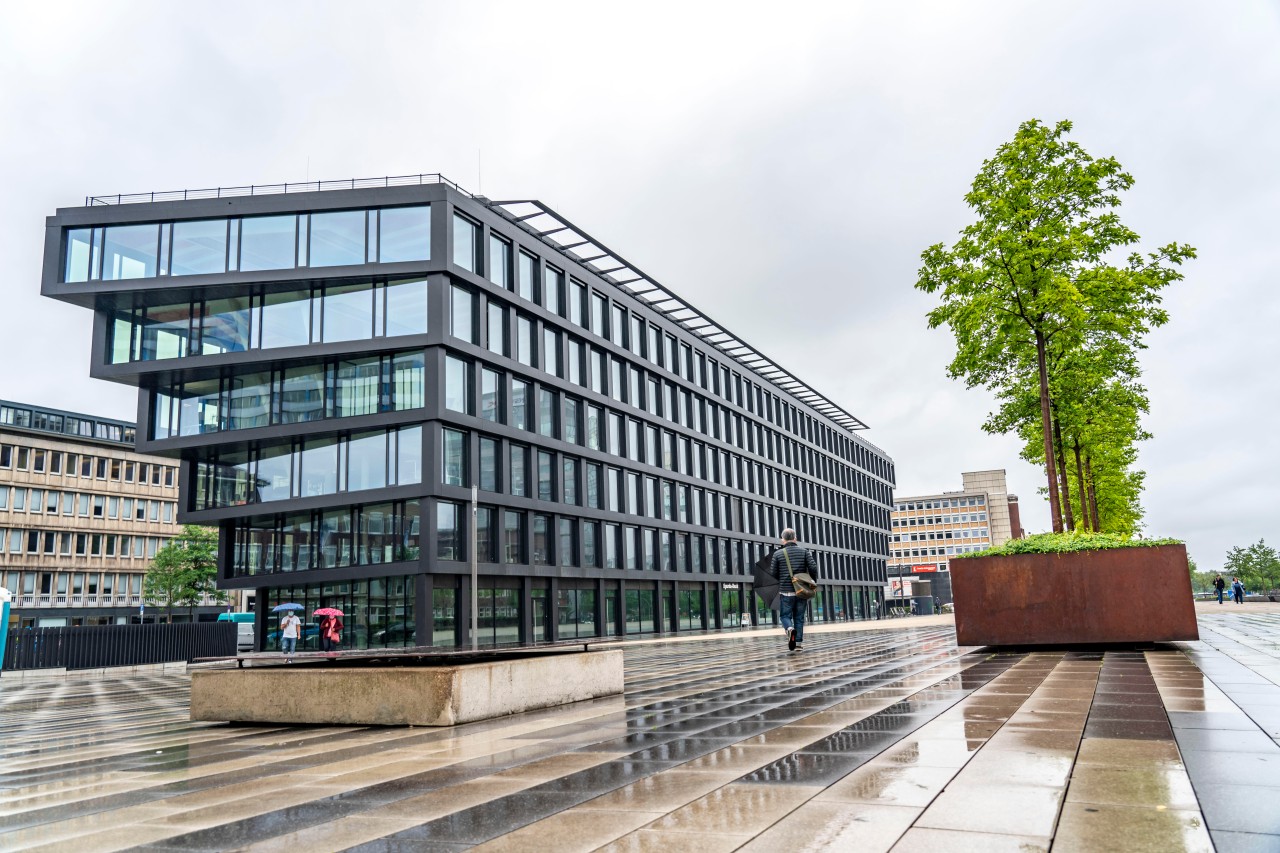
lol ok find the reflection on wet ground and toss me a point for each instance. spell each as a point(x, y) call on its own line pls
point(883, 739)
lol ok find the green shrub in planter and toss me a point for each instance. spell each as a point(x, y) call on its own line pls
point(1063, 543)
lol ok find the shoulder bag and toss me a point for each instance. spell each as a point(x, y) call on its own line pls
point(803, 583)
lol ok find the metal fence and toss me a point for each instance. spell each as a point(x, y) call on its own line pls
point(91, 647)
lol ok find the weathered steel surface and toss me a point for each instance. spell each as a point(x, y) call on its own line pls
point(1125, 595)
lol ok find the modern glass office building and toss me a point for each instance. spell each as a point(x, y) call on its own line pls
point(337, 365)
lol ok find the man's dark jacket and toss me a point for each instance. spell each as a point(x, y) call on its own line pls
point(801, 561)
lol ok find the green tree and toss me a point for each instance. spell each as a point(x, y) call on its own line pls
point(1257, 565)
point(184, 571)
point(1032, 275)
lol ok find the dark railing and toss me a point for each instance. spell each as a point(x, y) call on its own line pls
point(274, 189)
point(94, 646)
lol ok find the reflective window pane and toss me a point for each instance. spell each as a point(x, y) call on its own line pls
point(199, 248)
point(249, 401)
point(367, 461)
point(274, 467)
point(454, 471)
point(408, 381)
point(348, 313)
point(302, 396)
point(457, 391)
point(337, 239)
point(78, 251)
point(357, 387)
point(409, 456)
point(286, 319)
point(466, 242)
point(318, 467)
point(226, 326)
point(404, 234)
point(462, 314)
point(267, 242)
point(130, 251)
point(406, 307)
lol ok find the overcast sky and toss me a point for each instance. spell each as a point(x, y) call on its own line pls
point(780, 165)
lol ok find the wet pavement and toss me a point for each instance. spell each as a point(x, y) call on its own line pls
point(877, 737)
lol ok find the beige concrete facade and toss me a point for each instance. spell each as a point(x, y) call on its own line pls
point(927, 530)
point(81, 517)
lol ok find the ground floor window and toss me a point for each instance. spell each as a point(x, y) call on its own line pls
point(576, 613)
point(641, 611)
point(689, 610)
point(377, 613)
point(444, 617)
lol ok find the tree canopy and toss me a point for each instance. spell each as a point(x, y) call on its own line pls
point(1049, 318)
point(183, 571)
point(1257, 565)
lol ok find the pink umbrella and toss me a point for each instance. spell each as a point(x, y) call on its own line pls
point(328, 611)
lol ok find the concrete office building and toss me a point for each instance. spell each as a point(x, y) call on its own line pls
point(928, 529)
point(81, 516)
point(335, 368)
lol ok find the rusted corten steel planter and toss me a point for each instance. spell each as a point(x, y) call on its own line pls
point(1124, 595)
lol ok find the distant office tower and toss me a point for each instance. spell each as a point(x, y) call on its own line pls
point(335, 369)
point(928, 529)
point(81, 516)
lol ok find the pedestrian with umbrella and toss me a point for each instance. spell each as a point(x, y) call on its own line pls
point(330, 628)
point(290, 628)
point(764, 583)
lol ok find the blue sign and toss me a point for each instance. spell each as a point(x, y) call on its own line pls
point(4, 621)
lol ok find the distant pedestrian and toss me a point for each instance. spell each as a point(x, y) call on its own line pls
point(787, 562)
point(331, 633)
point(290, 629)
point(1219, 584)
point(1237, 590)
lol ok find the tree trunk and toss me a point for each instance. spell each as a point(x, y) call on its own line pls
point(1093, 494)
point(1084, 502)
point(1046, 427)
point(1068, 519)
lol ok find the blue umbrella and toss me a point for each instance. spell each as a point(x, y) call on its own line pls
point(289, 606)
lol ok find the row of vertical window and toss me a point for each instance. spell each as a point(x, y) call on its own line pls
point(338, 388)
point(549, 413)
point(83, 505)
point(248, 244)
point(516, 537)
point(329, 314)
point(61, 543)
point(74, 583)
point(325, 539)
point(38, 460)
point(61, 424)
point(512, 334)
point(520, 271)
point(309, 467)
point(524, 471)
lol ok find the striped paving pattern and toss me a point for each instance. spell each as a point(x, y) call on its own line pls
point(887, 739)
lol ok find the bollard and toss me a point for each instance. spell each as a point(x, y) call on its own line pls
point(5, 598)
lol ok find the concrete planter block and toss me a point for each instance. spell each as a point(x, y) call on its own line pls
point(1124, 595)
point(403, 695)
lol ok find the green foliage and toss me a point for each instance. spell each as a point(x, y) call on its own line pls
point(1257, 565)
point(1046, 318)
point(184, 571)
point(1063, 543)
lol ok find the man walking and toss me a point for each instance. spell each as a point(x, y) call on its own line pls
point(1219, 584)
point(289, 630)
point(791, 559)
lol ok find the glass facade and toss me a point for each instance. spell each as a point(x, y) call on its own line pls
point(248, 244)
point(631, 470)
point(329, 314)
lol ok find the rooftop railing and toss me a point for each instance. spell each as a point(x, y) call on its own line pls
point(274, 189)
